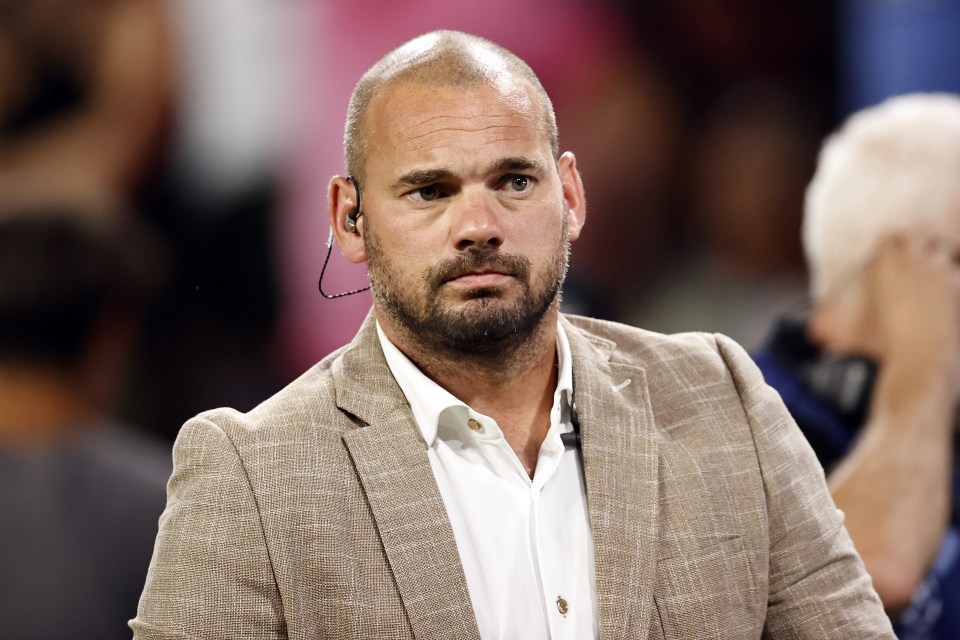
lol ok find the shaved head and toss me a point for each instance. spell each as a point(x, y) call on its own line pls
point(440, 59)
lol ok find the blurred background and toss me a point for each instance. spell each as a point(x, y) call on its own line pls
point(695, 122)
point(218, 124)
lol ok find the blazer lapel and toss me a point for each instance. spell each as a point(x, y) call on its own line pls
point(620, 469)
point(390, 458)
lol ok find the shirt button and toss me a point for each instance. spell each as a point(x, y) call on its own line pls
point(476, 426)
point(562, 606)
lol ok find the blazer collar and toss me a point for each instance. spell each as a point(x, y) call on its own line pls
point(391, 461)
point(620, 469)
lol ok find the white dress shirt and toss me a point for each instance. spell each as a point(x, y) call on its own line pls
point(524, 543)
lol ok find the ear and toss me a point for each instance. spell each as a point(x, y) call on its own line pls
point(574, 197)
point(341, 200)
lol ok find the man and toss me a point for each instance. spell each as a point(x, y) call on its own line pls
point(80, 493)
point(416, 483)
point(873, 378)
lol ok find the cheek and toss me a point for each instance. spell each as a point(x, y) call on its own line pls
point(424, 247)
point(546, 234)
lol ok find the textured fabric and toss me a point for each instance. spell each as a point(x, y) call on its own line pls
point(316, 514)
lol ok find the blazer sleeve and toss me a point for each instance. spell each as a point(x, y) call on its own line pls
point(818, 586)
point(211, 574)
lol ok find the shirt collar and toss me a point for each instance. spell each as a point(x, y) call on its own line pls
point(428, 400)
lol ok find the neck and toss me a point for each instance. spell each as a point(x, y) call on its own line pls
point(515, 388)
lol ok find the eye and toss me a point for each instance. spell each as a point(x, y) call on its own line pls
point(518, 184)
point(428, 193)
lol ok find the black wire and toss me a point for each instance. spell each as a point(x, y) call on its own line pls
point(323, 270)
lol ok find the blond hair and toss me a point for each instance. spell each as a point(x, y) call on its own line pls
point(890, 168)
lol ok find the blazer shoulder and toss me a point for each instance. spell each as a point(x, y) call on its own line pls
point(653, 351)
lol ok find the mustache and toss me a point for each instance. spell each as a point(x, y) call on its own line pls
point(473, 261)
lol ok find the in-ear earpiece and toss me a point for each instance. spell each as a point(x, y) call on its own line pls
point(351, 222)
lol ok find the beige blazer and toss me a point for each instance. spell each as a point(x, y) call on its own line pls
point(316, 514)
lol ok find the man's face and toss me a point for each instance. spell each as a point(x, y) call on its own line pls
point(466, 224)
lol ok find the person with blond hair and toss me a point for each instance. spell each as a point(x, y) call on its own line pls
point(873, 375)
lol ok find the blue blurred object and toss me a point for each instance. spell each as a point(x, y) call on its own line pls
point(891, 47)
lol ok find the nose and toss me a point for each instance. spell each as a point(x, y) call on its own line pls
point(476, 221)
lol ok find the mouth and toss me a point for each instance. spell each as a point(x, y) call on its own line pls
point(472, 273)
point(483, 278)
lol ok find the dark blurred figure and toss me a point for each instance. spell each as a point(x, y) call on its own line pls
point(80, 494)
point(873, 376)
point(98, 105)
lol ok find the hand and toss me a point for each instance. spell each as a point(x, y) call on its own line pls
point(913, 294)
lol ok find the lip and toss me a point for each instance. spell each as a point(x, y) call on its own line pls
point(480, 279)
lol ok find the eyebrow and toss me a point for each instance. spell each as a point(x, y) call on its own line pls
point(424, 176)
point(504, 165)
point(511, 165)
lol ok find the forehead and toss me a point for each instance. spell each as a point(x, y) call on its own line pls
point(411, 124)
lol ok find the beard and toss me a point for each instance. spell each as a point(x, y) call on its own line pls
point(487, 327)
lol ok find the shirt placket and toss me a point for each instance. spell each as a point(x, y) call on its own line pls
point(571, 609)
point(510, 466)
point(554, 604)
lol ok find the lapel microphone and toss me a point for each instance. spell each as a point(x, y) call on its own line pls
point(350, 225)
point(572, 438)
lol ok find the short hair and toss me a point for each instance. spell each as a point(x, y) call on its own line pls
point(61, 268)
point(439, 58)
point(890, 168)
